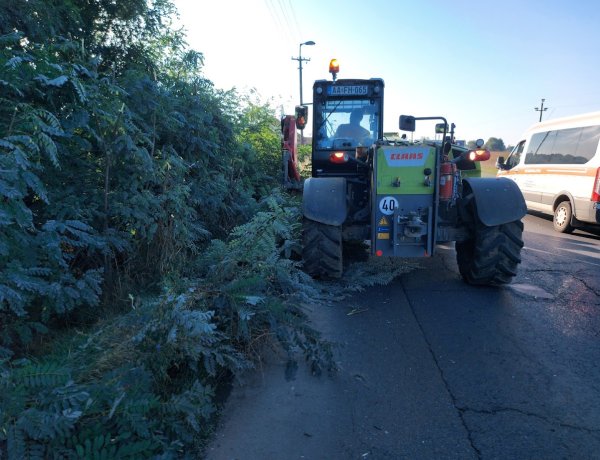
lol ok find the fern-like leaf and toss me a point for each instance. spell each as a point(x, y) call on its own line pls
point(7, 145)
point(16, 443)
point(35, 184)
point(79, 89)
point(48, 122)
point(40, 375)
point(48, 147)
point(57, 82)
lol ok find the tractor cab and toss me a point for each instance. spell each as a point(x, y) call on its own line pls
point(347, 114)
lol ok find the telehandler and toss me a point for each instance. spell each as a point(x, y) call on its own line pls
point(402, 197)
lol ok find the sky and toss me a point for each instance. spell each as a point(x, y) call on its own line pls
point(482, 65)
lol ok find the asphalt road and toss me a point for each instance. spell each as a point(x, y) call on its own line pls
point(433, 368)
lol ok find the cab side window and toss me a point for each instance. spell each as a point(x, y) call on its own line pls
point(515, 156)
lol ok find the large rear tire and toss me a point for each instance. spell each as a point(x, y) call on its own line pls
point(322, 249)
point(492, 255)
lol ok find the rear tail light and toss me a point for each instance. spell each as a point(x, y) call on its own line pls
point(596, 189)
point(338, 157)
point(479, 155)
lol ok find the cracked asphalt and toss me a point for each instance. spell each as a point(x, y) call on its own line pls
point(433, 368)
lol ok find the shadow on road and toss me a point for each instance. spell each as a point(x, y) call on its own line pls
point(585, 231)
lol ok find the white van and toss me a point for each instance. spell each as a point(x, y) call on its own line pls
point(557, 167)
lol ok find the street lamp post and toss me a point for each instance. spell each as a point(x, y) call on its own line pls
point(300, 59)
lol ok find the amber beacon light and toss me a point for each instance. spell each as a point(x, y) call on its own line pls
point(334, 68)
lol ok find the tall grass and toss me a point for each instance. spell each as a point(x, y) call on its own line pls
point(488, 168)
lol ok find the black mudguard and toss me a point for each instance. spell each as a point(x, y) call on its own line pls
point(497, 200)
point(324, 200)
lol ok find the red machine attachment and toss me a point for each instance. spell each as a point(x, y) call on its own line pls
point(291, 176)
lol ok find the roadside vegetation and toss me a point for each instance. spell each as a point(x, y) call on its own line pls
point(146, 254)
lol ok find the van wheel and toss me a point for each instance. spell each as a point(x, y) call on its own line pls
point(490, 257)
point(322, 249)
point(562, 217)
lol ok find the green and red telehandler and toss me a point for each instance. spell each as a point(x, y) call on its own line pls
point(403, 197)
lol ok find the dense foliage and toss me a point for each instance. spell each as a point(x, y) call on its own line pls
point(143, 257)
point(493, 144)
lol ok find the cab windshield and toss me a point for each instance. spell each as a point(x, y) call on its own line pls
point(347, 123)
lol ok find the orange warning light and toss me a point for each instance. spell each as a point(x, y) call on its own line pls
point(334, 68)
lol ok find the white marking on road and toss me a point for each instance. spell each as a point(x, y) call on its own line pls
point(567, 250)
point(531, 290)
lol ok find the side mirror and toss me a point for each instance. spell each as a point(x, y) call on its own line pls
point(407, 123)
point(301, 116)
point(440, 128)
point(479, 143)
point(500, 164)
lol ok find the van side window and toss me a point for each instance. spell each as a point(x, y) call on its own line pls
point(588, 143)
point(564, 146)
point(515, 156)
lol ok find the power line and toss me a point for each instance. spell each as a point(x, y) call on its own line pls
point(280, 18)
point(275, 16)
point(284, 14)
point(294, 17)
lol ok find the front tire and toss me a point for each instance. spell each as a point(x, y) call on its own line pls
point(562, 217)
point(322, 249)
point(492, 255)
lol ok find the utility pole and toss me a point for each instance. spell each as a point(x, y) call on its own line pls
point(300, 59)
point(541, 109)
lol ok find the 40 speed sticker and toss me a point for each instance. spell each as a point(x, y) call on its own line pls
point(387, 205)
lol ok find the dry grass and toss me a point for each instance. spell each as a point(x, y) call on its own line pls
point(488, 168)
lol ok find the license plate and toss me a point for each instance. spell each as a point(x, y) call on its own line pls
point(338, 90)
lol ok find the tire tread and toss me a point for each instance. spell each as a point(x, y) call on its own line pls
point(491, 257)
point(322, 249)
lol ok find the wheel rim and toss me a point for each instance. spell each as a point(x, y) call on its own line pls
point(561, 216)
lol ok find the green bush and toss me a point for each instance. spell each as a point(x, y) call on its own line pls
point(143, 383)
point(145, 258)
